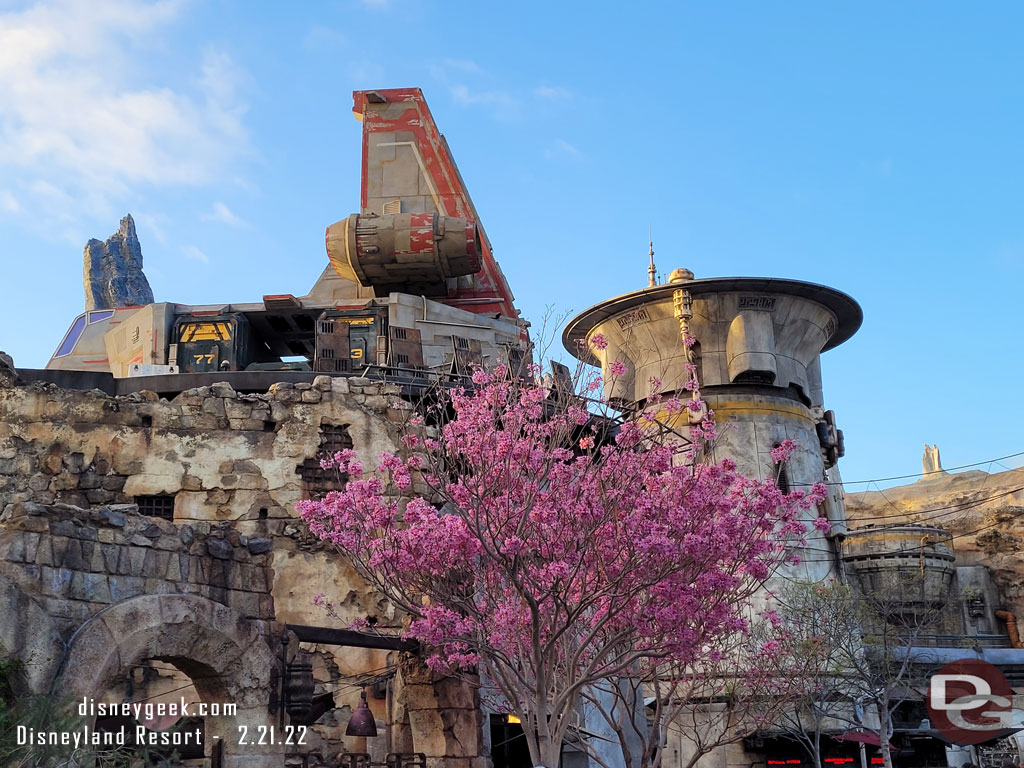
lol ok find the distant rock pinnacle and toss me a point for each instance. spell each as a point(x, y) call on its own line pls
point(113, 270)
point(8, 375)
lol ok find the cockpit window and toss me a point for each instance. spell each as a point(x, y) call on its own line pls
point(103, 314)
point(71, 339)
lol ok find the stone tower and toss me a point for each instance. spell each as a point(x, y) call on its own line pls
point(756, 356)
point(931, 462)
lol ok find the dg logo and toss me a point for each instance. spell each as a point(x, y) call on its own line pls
point(970, 701)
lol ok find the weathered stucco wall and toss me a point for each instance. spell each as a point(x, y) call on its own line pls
point(74, 544)
point(984, 512)
point(77, 561)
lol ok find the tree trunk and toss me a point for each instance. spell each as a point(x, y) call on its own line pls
point(550, 753)
point(884, 731)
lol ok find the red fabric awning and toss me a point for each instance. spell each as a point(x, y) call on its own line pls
point(864, 737)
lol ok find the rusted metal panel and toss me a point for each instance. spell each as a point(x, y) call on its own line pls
point(212, 342)
point(466, 355)
point(561, 378)
point(346, 340)
point(405, 347)
point(332, 351)
point(281, 301)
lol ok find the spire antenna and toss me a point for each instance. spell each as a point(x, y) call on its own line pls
point(651, 271)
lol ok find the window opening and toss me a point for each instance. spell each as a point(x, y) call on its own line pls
point(157, 505)
point(68, 345)
point(317, 480)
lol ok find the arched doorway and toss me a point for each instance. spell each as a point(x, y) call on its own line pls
point(223, 655)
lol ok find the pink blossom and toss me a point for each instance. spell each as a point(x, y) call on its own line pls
point(822, 524)
point(599, 341)
point(783, 451)
point(578, 416)
point(654, 557)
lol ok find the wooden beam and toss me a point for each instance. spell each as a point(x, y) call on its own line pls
point(351, 638)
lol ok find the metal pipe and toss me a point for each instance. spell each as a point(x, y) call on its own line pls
point(351, 638)
point(449, 322)
point(284, 672)
point(1011, 627)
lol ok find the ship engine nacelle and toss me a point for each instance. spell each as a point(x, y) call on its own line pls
point(410, 252)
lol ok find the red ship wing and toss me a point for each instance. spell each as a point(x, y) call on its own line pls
point(408, 168)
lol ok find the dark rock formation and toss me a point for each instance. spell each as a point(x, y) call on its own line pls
point(8, 375)
point(113, 270)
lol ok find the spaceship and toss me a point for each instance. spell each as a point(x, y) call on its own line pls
point(411, 288)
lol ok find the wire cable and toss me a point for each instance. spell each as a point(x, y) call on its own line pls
point(918, 474)
point(921, 548)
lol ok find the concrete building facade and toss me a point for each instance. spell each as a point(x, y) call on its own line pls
point(756, 356)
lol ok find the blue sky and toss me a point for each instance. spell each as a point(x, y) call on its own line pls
point(872, 147)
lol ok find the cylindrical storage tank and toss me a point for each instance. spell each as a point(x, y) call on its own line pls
point(413, 252)
point(905, 570)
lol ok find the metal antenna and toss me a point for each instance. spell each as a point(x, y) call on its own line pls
point(651, 271)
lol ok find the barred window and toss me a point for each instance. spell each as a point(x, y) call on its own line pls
point(316, 480)
point(157, 505)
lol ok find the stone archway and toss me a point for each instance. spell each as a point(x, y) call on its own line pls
point(223, 653)
point(28, 634)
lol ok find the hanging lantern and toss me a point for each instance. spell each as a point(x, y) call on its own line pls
point(298, 687)
point(362, 722)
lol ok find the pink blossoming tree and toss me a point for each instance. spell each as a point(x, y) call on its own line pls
point(530, 540)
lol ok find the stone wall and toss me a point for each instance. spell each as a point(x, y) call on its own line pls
point(77, 561)
point(223, 455)
point(74, 544)
point(984, 512)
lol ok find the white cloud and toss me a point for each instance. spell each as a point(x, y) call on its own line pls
point(192, 253)
point(552, 93)
point(9, 202)
point(319, 37)
point(465, 95)
point(460, 65)
point(457, 74)
point(503, 104)
point(152, 224)
point(79, 121)
point(221, 213)
point(562, 148)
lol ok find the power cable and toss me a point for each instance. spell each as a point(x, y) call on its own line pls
point(948, 509)
point(952, 537)
point(917, 474)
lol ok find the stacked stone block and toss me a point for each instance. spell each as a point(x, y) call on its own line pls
point(77, 561)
